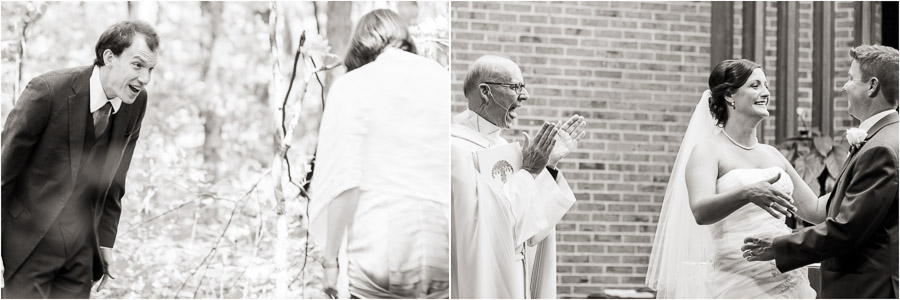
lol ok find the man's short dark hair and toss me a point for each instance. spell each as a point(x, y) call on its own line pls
point(119, 36)
point(880, 62)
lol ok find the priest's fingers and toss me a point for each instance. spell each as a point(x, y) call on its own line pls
point(581, 125)
point(579, 137)
point(751, 239)
point(527, 140)
point(550, 140)
point(536, 141)
point(577, 125)
point(552, 143)
point(570, 123)
point(542, 136)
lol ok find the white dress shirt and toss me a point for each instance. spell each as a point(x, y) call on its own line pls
point(98, 95)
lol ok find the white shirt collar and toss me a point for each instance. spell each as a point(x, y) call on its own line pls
point(868, 123)
point(98, 95)
point(482, 125)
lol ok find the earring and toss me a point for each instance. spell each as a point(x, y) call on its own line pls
point(730, 103)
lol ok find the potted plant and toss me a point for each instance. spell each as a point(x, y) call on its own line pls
point(817, 158)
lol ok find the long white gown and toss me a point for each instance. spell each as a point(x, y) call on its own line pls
point(735, 277)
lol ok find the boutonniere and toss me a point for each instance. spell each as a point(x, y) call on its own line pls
point(856, 137)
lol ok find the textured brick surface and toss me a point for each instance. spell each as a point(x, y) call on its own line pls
point(635, 70)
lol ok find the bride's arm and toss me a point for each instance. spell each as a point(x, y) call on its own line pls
point(709, 207)
point(809, 206)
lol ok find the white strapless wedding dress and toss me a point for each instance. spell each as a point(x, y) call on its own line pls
point(735, 277)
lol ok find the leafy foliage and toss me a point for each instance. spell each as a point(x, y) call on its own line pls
point(817, 158)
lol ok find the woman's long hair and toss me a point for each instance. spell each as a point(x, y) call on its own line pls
point(376, 31)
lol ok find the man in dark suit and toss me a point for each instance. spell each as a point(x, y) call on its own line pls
point(857, 243)
point(67, 145)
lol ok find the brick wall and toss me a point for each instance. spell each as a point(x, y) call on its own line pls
point(635, 70)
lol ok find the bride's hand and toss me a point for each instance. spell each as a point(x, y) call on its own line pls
point(331, 277)
point(773, 201)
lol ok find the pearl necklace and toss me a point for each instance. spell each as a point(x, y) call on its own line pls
point(738, 144)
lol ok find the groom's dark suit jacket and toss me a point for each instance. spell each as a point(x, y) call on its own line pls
point(857, 243)
point(42, 150)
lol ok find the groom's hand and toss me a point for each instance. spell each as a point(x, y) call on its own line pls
point(758, 248)
point(536, 153)
point(107, 255)
point(567, 138)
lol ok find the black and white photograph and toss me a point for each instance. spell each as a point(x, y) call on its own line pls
point(449, 149)
point(225, 149)
point(636, 149)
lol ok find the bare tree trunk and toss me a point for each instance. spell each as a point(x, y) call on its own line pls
point(338, 30)
point(20, 58)
point(212, 125)
point(143, 10)
point(33, 12)
point(281, 222)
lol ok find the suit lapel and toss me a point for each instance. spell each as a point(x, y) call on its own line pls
point(887, 120)
point(78, 104)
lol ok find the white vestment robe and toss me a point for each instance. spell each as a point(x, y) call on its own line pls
point(503, 241)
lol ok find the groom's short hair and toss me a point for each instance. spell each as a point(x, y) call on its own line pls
point(880, 62)
point(120, 35)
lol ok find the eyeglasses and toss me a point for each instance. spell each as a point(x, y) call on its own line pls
point(516, 87)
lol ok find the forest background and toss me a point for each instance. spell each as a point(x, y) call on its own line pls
point(204, 215)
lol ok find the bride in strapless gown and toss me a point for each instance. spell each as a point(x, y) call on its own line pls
point(735, 277)
point(726, 187)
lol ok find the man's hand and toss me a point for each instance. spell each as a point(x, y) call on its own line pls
point(567, 138)
point(536, 153)
point(759, 248)
point(107, 255)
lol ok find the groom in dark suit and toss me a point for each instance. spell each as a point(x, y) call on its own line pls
point(857, 243)
point(67, 145)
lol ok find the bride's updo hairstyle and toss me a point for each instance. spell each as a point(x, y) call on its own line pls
point(376, 31)
point(725, 78)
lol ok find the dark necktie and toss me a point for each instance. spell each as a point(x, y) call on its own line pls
point(101, 119)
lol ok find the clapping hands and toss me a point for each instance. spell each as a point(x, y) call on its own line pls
point(536, 153)
point(567, 137)
point(551, 144)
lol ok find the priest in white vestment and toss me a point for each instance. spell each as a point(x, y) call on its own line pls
point(503, 240)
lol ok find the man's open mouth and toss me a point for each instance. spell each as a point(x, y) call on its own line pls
point(134, 88)
point(512, 111)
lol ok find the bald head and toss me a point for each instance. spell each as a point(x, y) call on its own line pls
point(488, 68)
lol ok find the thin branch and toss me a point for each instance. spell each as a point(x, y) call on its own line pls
point(221, 236)
point(158, 216)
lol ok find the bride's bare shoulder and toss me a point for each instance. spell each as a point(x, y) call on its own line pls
point(707, 150)
point(710, 146)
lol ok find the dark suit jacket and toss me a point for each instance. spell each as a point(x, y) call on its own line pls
point(857, 243)
point(42, 147)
